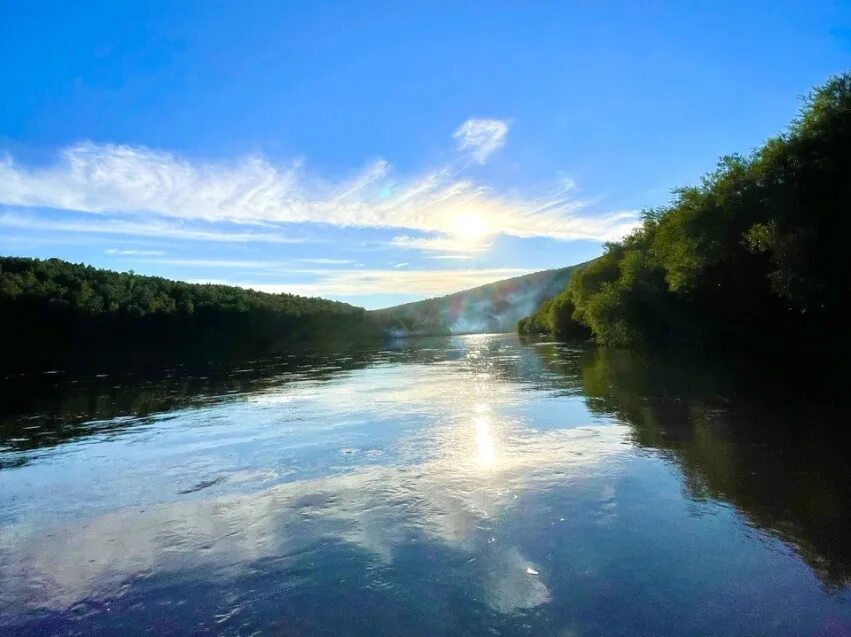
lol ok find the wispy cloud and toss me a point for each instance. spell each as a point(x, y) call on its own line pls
point(321, 261)
point(334, 280)
point(458, 257)
point(250, 264)
point(141, 183)
point(154, 228)
point(396, 281)
point(481, 137)
point(438, 244)
point(134, 253)
point(275, 268)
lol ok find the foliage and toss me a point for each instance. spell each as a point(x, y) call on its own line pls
point(555, 316)
point(53, 308)
point(755, 254)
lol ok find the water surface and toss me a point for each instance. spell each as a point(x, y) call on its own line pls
point(469, 485)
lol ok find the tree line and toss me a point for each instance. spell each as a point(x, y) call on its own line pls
point(55, 311)
point(755, 255)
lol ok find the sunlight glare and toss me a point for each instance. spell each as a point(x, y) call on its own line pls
point(470, 226)
point(485, 448)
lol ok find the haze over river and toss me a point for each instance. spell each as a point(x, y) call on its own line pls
point(470, 485)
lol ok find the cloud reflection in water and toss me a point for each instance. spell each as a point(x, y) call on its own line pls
point(473, 463)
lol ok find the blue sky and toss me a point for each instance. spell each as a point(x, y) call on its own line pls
point(379, 152)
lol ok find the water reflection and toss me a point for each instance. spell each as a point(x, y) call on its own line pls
point(485, 448)
point(459, 485)
point(443, 483)
point(778, 452)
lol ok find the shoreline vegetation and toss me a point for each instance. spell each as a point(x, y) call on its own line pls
point(74, 315)
point(61, 313)
point(754, 258)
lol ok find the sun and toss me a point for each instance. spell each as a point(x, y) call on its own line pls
point(470, 226)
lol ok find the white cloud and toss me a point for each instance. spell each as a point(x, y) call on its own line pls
point(339, 281)
point(438, 244)
point(260, 266)
point(155, 228)
point(481, 137)
point(396, 281)
point(255, 264)
point(326, 261)
point(154, 185)
point(134, 253)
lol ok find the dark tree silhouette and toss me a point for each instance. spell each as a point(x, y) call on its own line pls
point(754, 256)
point(55, 311)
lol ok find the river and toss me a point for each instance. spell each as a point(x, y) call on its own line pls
point(470, 485)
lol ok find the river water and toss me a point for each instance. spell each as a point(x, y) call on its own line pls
point(470, 485)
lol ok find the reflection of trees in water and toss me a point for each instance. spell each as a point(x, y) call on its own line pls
point(779, 456)
point(781, 459)
point(43, 410)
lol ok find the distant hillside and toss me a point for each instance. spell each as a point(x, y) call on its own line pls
point(495, 307)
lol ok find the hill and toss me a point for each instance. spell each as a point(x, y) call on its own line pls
point(495, 307)
point(56, 312)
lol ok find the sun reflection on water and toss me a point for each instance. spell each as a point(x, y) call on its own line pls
point(486, 455)
point(457, 467)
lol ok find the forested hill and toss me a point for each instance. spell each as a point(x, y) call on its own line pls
point(756, 255)
point(495, 307)
point(54, 311)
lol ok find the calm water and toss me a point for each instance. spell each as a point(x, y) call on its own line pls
point(471, 485)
